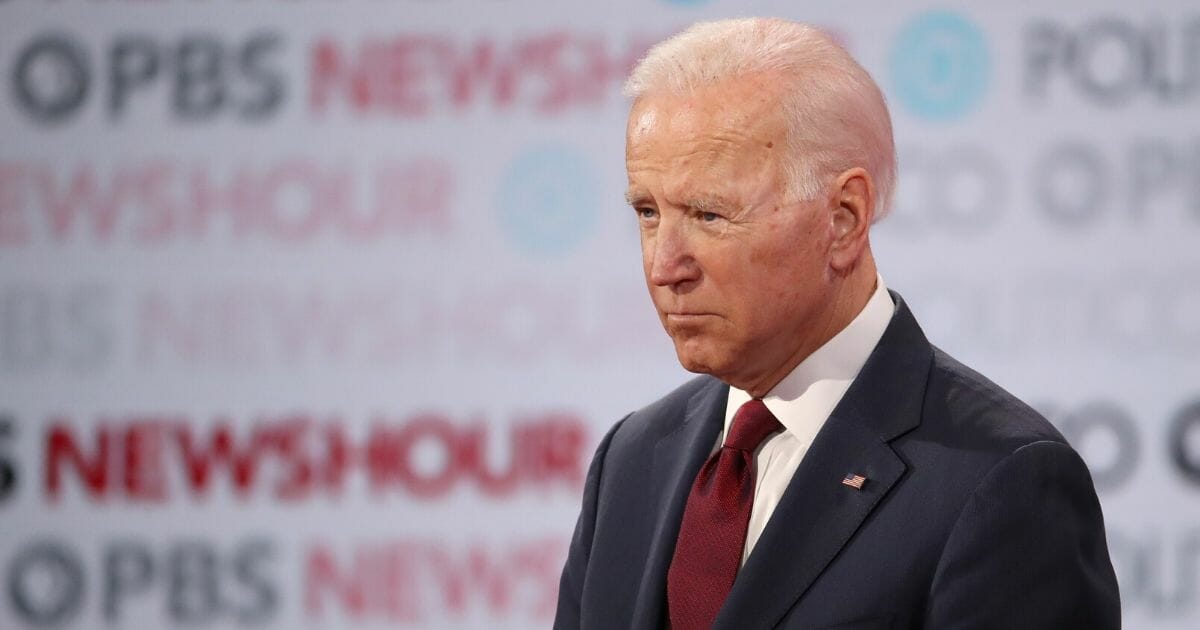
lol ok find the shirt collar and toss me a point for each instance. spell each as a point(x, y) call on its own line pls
point(803, 400)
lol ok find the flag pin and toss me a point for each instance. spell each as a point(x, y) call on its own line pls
point(854, 481)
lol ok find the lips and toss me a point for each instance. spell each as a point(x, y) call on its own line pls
point(686, 316)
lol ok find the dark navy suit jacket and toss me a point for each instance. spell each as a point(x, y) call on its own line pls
point(975, 514)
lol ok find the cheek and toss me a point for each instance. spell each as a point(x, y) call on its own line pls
point(646, 240)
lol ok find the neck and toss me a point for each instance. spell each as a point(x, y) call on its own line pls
point(849, 299)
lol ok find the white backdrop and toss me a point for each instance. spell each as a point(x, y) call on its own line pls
point(312, 312)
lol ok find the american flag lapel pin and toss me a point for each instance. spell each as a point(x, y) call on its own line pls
point(854, 481)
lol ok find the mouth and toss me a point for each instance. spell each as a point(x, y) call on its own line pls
point(686, 316)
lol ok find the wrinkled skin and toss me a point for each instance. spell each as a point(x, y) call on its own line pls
point(745, 281)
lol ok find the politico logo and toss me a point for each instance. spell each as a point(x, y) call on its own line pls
point(1113, 61)
point(940, 65)
point(1072, 185)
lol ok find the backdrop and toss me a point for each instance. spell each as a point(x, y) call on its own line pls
point(312, 312)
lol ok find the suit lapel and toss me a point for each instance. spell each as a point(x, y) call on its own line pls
point(815, 518)
point(818, 515)
point(678, 457)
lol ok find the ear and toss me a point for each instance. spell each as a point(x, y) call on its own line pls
point(852, 204)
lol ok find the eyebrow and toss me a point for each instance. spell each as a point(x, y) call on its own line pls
point(702, 204)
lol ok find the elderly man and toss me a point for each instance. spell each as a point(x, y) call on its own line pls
point(832, 468)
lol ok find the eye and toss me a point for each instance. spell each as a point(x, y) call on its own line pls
point(646, 213)
point(709, 217)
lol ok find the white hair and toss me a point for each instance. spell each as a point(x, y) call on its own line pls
point(835, 114)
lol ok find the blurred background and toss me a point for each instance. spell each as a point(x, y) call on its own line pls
point(312, 311)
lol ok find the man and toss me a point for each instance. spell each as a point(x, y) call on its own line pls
point(832, 469)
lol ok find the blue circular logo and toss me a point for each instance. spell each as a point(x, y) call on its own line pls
point(940, 65)
point(548, 200)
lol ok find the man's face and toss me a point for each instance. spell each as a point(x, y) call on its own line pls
point(739, 274)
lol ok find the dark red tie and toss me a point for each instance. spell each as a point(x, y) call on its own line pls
point(713, 533)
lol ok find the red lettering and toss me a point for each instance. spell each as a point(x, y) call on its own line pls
point(391, 456)
point(145, 477)
point(545, 56)
point(321, 576)
point(203, 325)
point(329, 73)
point(411, 581)
point(419, 75)
point(291, 457)
point(221, 451)
point(399, 68)
point(13, 229)
point(82, 196)
point(159, 324)
point(158, 202)
point(151, 185)
point(473, 455)
point(305, 192)
point(62, 448)
point(472, 73)
point(477, 572)
point(339, 456)
point(204, 198)
point(298, 477)
point(381, 582)
point(413, 196)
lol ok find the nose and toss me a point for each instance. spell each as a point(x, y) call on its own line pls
point(670, 261)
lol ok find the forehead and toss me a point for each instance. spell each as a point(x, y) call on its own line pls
point(721, 130)
point(742, 107)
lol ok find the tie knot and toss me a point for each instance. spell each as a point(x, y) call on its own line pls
point(752, 423)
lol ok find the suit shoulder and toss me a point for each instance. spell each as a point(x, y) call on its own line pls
point(666, 414)
point(971, 407)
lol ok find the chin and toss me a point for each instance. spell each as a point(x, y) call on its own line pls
point(697, 362)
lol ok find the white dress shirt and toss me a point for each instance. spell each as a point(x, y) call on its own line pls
point(802, 402)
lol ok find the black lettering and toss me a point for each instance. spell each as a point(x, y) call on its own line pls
point(971, 191)
point(90, 339)
point(50, 79)
point(40, 564)
point(39, 330)
point(1184, 440)
point(26, 329)
point(1120, 85)
point(1071, 184)
point(1183, 86)
point(133, 64)
point(249, 570)
point(199, 84)
point(128, 570)
point(192, 590)
point(8, 467)
point(270, 82)
point(1154, 167)
point(1045, 44)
